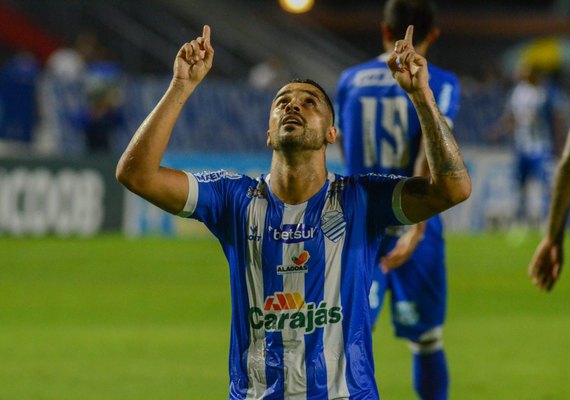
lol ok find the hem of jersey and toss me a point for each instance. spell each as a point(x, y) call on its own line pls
point(397, 203)
point(192, 199)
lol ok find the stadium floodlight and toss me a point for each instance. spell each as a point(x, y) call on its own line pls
point(297, 6)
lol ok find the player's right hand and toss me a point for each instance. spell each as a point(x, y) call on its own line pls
point(546, 264)
point(194, 59)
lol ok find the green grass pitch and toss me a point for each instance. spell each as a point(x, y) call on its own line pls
point(113, 318)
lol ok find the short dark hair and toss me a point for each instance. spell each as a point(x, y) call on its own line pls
point(315, 84)
point(399, 14)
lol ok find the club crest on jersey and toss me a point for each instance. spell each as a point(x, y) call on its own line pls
point(333, 225)
point(299, 264)
point(288, 310)
point(292, 233)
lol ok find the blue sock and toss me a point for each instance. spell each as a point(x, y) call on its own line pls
point(431, 379)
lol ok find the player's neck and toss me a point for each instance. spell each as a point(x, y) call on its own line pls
point(296, 181)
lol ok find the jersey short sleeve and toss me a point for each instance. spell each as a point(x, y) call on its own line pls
point(209, 195)
point(384, 200)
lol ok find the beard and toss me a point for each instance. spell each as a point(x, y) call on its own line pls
point(296, 138)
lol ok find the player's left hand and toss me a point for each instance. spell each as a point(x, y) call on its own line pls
point(403, 250)
point(546, 265)
point(408, 68)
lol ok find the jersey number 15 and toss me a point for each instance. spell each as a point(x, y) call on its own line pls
point(394, 145)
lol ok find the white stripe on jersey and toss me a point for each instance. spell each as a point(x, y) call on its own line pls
point(333, 337)
point(294, 339)
point(255, 220)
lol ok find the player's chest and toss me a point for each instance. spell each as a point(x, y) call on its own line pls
point(291, 240)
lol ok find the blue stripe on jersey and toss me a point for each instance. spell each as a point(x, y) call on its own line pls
point(237, 260)
point(314, 292)
point(241, 337)
point(272, 256)
point(357, 270)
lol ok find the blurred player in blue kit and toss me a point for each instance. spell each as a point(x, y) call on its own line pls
point(299, 241)
point(381, 133)
point(535, 117)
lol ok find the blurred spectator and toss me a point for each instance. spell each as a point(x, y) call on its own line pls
point(103, 114)
point(535, 118)
point(61, 96)
point(69, 63)
point(81, 99)
point(18, 112)
point(269, 75)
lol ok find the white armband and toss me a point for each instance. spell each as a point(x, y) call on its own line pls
point(192, 199)
point(397, 203)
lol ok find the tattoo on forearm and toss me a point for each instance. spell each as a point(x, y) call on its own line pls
point(442, 151)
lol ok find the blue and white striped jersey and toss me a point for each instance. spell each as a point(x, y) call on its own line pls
point(534, 109)
point(300, 277)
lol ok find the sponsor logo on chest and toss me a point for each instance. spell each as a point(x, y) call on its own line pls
point(292, 233)
point(289, 311)
point(299, 264)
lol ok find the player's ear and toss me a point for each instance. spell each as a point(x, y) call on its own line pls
point(268, 139)
point(386, 32)
point(433, 35)
point(331, 134)
point(387, 37)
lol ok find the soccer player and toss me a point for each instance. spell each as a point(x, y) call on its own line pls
point(381, 133)
point(546, 265)
point(535, 117)
point(299, 241)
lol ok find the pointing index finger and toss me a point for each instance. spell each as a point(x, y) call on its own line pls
point(409, 34)
point(206, 33)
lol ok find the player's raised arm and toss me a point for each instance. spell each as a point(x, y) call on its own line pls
point(449, 182)
point(139, 167)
